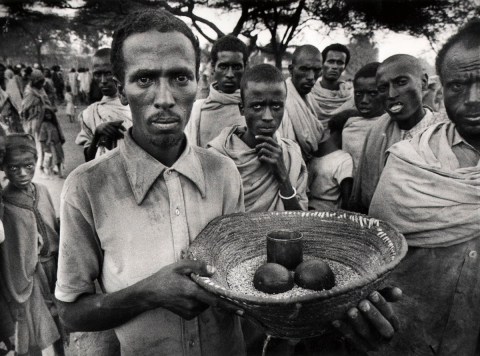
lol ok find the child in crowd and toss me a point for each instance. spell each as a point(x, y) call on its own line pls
point(28, 256)
point(70, 109)
point(51, 139)
point(330, 173)
point(370, 107)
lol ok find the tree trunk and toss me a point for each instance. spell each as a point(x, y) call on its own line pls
point(38, 48)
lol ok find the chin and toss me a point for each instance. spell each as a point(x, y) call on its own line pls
point(168, 140)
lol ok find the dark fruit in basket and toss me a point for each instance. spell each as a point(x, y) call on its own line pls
point(273, 278)
point(314, 274)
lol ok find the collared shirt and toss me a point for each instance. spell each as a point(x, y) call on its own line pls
point(428, 120)
point(124, 217)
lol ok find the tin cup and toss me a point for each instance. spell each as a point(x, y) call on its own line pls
point(285, 247)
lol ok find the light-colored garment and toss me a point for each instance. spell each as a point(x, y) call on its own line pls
point(325, 176)
point(259, 184)
point(13, 90)
point(73, 82)
point(28, 265)
point(33, 107)
point(211, 115)
point(383, 134)
point(426, 194)
point(106, 110)
point(124, 217)
point(300, 122)
point(70, 109)
point(354, 133)
point(85, 79)
point(330, 102)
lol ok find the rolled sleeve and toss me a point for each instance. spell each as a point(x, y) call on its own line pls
point(85, 136)
point(80, 256)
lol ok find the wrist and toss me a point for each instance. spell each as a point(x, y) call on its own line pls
point(288, 194)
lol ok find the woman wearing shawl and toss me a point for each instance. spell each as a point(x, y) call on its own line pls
point(13, 90)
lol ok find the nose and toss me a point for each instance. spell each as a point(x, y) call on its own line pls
point(229, 73)
point(22, 172)
point(392, 91)
point(473, 95)
point(163, 95)
point(267, 115)
point(310, 75)
point(103, 78)
point(364, 99)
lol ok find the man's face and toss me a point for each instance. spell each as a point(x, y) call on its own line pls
point(102, 74)
point(461, 89)
point(228, 71)
point(334, 65)
point(19, 167)
point(400, 85)
point(263, 107)
point(159, 85)
point(367, 99)
point(305, 72)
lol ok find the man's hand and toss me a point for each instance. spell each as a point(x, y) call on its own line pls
point(270, 152)
point(373, 322)
point(109, 132)
point(172, 288)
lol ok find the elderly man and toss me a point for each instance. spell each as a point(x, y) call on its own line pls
point(330, 92)
point(400, 81)
point(370, 106)
point(300, 122)
point(104, 122)
point(128, 217)
point(429, 190)
point(221, 108)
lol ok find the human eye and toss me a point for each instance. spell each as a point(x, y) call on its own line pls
point(358, 94)
point(402, 81)
point(237, 67)
point(29, 166)
point(12, 168)
point(456, 86)
point(222, 66)
point(373, 93)
point(182, 79)
point(382, 88)
point(144, 81)
point(277, 107)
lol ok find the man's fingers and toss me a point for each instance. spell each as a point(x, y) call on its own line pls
point(391, 294)
point(268, 139)
point(214, 301)
point(268, 160)
point(376, 319)
point(187, 267)
point(360, 325)
point(347, 331)
point(385, 308)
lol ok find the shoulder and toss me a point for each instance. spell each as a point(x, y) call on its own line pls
point(291, 146)
point(213, 162)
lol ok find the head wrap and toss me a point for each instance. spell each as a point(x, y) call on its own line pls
point(21, 141)
point(36, 76)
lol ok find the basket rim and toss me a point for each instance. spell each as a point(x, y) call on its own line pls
point(245, 299)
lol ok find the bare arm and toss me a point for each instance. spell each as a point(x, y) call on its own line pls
point(170, 288)
point(346, 191)
point(107, 132)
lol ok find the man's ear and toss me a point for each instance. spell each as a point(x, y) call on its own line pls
point(121, 91)
point(242, 111)
point(424, 81)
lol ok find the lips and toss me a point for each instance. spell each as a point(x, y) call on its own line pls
point(267, 130)
point(395, 108)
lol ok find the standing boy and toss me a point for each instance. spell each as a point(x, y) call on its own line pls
point(274, 176)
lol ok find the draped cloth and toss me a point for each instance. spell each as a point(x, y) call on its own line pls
point(382, 135)
point(260, 186)
point(13, 90)
point(329, 102)
point(300, 122)
point(354, 133)
point(106, 110)
point(33, 107)
point(425, 193)
point(28, 265)
point(211, 115)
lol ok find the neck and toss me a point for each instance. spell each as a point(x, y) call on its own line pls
point(329, 84)
point(329, 146)
point(413, 120)
point(248, 138)
point(165, 155)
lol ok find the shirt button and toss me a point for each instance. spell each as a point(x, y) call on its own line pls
point(473, 254)
point(177, 212)
point(169, 172)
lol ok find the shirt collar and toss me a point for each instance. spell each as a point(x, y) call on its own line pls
point(143, 170)
point(458, 139)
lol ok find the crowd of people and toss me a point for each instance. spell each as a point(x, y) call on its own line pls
point(160, 165)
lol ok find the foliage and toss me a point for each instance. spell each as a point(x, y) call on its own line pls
point(362, 51)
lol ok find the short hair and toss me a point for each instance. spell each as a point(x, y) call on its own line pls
point(412, 61)
point(231, 44)
point(336, 47)
point(312, 50)
point(369, 70)
point(143, 21)
point(468, 34)
point(103, 53)
point(261, 73)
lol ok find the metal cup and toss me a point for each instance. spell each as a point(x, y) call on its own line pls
point(285, 247)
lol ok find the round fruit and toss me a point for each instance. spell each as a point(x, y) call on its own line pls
point(314, 274)
point(273, 278)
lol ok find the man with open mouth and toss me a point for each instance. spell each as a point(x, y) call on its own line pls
point(220, 109)
point(400, 82)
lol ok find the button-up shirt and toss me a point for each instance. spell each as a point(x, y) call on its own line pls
point(124, 217)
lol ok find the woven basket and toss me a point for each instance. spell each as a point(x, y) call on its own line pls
point(370, 247)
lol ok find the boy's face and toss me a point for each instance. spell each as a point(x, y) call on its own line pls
point(263, 107)
point(367, 99)
point(19, 167)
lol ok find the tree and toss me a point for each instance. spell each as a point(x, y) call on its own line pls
point(363, 50)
